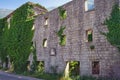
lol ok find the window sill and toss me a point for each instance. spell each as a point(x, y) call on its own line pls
point(90, 10)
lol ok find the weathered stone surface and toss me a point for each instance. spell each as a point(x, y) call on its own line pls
point(76, 48)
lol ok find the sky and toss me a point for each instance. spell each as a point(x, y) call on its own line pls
point(13, 4)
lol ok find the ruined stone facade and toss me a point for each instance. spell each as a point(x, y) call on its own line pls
point(38, 10)
point(77, 48)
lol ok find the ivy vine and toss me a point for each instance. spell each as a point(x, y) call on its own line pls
point(16, 41)
point(62, 13)
point(20, 37)
point(61, 36)
point(3, 53)
point(113, 25)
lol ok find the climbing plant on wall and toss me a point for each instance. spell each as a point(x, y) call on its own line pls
point(16, 38)
point(20, 37)
point(3, 52)
point(62, 37)
point(62, 13)
point(113, 25)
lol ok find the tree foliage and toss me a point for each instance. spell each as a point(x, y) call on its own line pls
point(113, 25)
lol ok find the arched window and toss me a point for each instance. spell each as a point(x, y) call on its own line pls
point(46, 21)
point(45, 43)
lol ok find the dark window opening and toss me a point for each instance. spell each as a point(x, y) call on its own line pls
point(95, 67)
point(74, 68)
point(89, 34)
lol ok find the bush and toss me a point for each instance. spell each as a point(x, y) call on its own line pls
point(46, 76)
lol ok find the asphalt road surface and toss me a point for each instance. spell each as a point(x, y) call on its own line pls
point(7, 76)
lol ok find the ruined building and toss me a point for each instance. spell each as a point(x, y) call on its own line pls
point(24, 14)
point(71, 33)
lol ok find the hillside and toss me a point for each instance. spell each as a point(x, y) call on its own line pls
point(4, 12)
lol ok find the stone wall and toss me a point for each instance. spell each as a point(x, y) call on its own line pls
point(37, 11)
point(78, 21)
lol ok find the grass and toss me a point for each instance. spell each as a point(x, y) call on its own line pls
point(46, 76)
point(50, 76)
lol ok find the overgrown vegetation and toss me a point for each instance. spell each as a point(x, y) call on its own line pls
point(3, 53)
point(74, 68)
point(40, 67)
point(62, 37)
point(113, 25)
point(62, 13)
point(48, 76)
point(16, 39)
point(20, 37)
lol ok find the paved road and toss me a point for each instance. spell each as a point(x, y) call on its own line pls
point(6, 76)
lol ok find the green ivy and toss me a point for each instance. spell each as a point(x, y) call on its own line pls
point(62, 13)
point(74, 66)
point(61, 36)
point(16, 41)
point(63, 40)
point(3, 53)
point(113, 25)
point(40, 67)
point(20, 36)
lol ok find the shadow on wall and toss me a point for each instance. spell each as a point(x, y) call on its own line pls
point(116, 71)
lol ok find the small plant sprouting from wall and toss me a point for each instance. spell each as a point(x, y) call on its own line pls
point(62, 37)
point(62, 13)
point(92, 47)
point(113, 25)
point(63, 40)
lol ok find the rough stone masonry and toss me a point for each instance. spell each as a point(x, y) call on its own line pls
point(97, 57)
